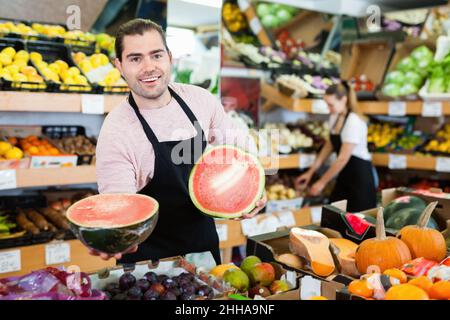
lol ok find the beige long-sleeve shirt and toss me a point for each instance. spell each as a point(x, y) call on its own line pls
point(125, 157)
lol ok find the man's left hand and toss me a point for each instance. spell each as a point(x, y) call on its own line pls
point(260, 204)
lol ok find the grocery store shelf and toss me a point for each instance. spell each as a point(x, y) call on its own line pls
point(50, 102)
point(86, 174)
point(272, 94)
point(55, 176)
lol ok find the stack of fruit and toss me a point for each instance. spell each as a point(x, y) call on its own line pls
point(106, 42)
point(409, 74)
point(441, 142)
point(380, 135)
point(280, 192)
point(275, 15)
point(362, 84)
point(14, 67)
point(98, 69)
point(34, 146)
point(158, 287)
point(288, 44)
point(9, 151)
point(253, 277)
point(17, 28)
point(408, 143)
point(235, 21)
point(59, 72)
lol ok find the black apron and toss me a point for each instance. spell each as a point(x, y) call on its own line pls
point(355, 183)
point(181, 227)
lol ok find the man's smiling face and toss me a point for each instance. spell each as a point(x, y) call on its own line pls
point(146, 64)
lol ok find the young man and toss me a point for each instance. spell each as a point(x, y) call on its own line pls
point(140, 141)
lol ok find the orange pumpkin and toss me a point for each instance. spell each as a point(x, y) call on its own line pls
point(381, 253)
point(406, 292)
point(360, 288)
point(422, 282)
point(440, 290)
point(396, 273)
point(422, 241)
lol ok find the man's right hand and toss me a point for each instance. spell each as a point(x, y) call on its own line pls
point(106, 256)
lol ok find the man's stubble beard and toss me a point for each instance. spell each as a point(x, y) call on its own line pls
point(137, 89)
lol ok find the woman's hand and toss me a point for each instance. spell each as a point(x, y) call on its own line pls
point(317, 188)
point(303, 180)
point(106, 256)
point(260, 204)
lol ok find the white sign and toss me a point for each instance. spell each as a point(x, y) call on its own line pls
point(255, 25)
point(432, 109)
point(93, 103)
point(316, 214)
point(266, 224)
point(442, 164)
point(8, 179)
point(10, 261)
point(57, 253)
point(306, 160)
point(286, 219)
point(243, 4)
point(319, 106)
point(310, 287)
point(222, 231)
point(283, 205)
point(397, 108)
point(397, 161)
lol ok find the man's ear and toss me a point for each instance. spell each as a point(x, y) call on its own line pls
point(118, 65)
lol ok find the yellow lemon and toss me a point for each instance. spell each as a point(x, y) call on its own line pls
point(13, 69)
point(14, 153)
point(28, 71)
point(79, 79)
point(19, 77)
point(22, 55)
point(5, 59)
point(10, 51)
point(20, 63)
point(35, 57)
point(73, 71)
point(41, 65)
point(62, 64)
point(86, 65)
point(79, 56)
point(55, 67)
point(114, 73)
point(103, 59)
point(35, 78)
point(96, 61)
point(4, 147)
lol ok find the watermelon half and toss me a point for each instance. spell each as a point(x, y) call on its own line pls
point(226, 182)
point(113, 223)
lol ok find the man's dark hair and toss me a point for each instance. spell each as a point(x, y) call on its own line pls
point(133, 27)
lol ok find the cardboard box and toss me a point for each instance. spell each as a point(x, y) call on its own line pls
point(333, 216)
point(270, 246)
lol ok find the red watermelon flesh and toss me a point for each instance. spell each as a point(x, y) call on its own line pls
point(226, 182)
point(358, 224)
point(112, 210)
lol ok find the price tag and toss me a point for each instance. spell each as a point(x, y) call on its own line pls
point(319, 106)
point(93, 103)
point(222, 231)
point(432, 109)
point(310, 287)
point(249, 226)
point(243, 4)
point(306, 160)
point(316, 214)
point(286, 219)
point(57, 253)
point(255, 25)
point(397, 108)
point(8, 179)
point(442, 164)
point(10, 261)
point(397, 161)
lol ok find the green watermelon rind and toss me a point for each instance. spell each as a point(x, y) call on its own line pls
point(222, 215)
point(394, 206)
point(115, 239)
point(405, 216)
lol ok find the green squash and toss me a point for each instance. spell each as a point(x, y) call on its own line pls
point(407, 216)
point(404, 202)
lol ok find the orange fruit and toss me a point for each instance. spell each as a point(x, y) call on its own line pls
point(53, 151)
point(422, 282)
point(406, 291)
point(33, 150)
point(440, 290)
point(396, 273)
point(360, 288)
point(12, 140)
